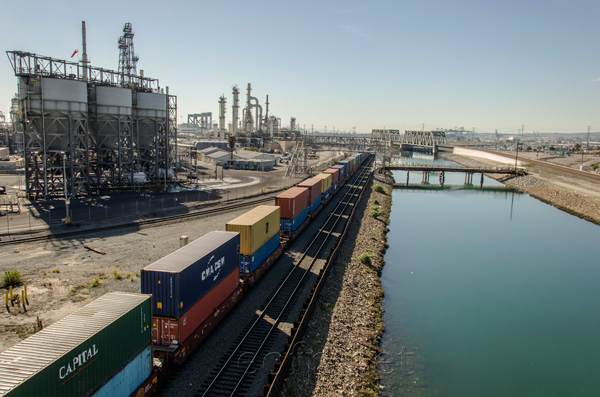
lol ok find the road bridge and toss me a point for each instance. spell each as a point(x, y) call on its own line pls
point(427, 169)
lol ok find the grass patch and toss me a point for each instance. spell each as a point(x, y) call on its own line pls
point(12, 278)
point(379, 189)
point(328, 306)
point(118, 276)
point(376, 201)
point(56, 271)
point(366, 258)
point(374, 213)
point(95, 283)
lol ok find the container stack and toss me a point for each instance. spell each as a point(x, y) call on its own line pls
point(294, 204)
point(189, 283)
point(326, 185)
point(104, 348)
point(259, 235)
point(335, 176)
point(342, 176)
point(314, 186)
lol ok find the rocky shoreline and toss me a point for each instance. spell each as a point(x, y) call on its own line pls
point(338, 354)
point(573, 202)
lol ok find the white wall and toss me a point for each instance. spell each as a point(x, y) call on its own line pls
point(461, 151)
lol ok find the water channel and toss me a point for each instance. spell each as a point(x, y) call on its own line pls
point(489, 294)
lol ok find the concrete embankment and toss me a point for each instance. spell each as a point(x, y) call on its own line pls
point(339, 353)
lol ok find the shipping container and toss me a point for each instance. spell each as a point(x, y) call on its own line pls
point(314, 185)
point(168, 331)
point(326, 181)
point(315, 204)
point(335, 174)
point(80, 352)
point(290, 225)
point(348, 164)
point(129, 378)
point(249, 263)
point(293, 201)
point(255, 227)
point(183, 277)
point(342, 176)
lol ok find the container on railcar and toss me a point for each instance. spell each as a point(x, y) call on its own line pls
point(83, 351)
point(179, 280)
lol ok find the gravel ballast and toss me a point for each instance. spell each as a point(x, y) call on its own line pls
point(338, 354)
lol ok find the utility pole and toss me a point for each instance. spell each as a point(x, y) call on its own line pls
point(588, 138)
point(522, 131)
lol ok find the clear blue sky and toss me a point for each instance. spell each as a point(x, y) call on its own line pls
point(398, 64)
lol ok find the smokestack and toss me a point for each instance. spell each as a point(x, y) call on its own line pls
point(84, 59)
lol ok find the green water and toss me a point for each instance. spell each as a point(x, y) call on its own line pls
point(489, 294)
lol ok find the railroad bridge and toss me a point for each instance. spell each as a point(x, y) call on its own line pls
point(427, 169)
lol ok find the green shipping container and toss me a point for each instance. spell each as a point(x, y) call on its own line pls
point(79, 353)
point(255, 227)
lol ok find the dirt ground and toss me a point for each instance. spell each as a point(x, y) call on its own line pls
point(62, 275)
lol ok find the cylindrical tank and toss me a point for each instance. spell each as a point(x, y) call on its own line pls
point(149, 111)
point(113, 108)
point(63, 102)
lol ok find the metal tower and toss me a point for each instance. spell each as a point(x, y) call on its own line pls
point(127, 57)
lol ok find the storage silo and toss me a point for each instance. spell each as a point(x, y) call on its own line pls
point(111, 125)
point(150, 132)
point(57, 139)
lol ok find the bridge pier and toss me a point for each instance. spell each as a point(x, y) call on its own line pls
point(442, 178)
point(481, 183)
point(425, 177)
point(407, 177)
point(468, 178)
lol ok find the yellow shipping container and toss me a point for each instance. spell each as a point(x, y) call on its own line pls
point(326, 181)
point(255, 227)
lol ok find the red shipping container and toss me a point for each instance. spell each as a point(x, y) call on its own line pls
point(169, 331)
point(335, 174)
point(314, 186)
point(293, 201)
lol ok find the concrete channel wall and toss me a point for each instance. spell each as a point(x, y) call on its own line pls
point(461, 151)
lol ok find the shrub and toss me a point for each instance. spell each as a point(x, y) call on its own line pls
point(12, 278)
point(376, 201)
point(375, 211)
point(379, 189)
point(366, 257)
point(56, 271)
point(95, 283)
point(117, 275)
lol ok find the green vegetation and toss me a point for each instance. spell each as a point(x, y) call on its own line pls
point(252, 149)
point(376, 201)
point(117, 275)
point(12, 278)
point(95, 283)
point(379, 189)
point(375, 211)
point(56, 271)
point(366, 258)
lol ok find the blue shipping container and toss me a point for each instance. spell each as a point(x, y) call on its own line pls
point(315, 204)
point(250, 264)
point(342, 169)
point(289, 225)
point(327, 194)
point(346, 164)
point(180, 279)
point(129, 378)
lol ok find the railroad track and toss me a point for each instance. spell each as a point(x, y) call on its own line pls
point(236, 370)
point(45, 236)
point(555, 167)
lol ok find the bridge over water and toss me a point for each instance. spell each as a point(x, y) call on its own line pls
point(427, 169)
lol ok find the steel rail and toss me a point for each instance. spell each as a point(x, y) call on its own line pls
point(344, 202)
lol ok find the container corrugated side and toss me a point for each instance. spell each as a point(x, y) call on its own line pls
point(290, 225)
point(293, 201)
point(248, 264)
point(314, 186)
point(80, 352)
point(256, 227)
point(315, 204)
point(168, 331)
point(335, 174)
point(183, 277)
point(129, 378)
point(325, 181)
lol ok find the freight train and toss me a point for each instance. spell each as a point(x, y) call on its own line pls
point(123, 343)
